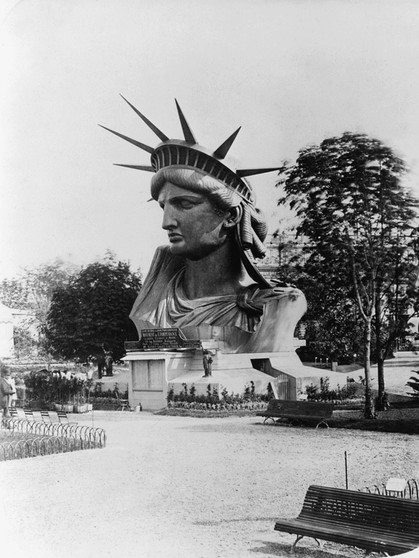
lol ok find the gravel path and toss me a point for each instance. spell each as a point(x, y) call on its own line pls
point(181, 487)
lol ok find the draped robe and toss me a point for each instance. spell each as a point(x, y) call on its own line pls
point(162, 302)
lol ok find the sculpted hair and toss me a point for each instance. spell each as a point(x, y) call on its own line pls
point(252, 227)
point(195, 181)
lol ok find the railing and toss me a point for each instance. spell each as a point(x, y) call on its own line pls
point(48, 438)
point(411, 491)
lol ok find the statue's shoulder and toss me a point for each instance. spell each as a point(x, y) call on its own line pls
point(253, 298)
point(163, 268)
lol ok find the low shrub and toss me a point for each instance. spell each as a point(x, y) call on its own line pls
point(105, 403)
point(348, 392)
point(215, 401)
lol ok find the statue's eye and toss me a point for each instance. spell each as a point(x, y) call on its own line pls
point(186, 204)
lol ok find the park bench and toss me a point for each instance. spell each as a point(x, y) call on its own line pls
point(297, 411)
point(373, 522)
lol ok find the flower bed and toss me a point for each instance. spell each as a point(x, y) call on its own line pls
point(220, 406)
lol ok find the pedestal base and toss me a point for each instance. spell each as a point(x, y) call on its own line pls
point(154, 373)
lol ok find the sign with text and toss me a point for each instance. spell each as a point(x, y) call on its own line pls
point(155, 339)
point(169, 339)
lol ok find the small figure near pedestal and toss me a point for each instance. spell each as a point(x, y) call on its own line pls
point(100, 362)
point(105, 362)
point(207, 362)
point(108, 363)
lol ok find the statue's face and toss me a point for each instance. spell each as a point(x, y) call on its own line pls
point(194, 224)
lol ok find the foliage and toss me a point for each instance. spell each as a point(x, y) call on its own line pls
point(105, 404)
point(332, 322)
point(355, 212)
point(291, 254)
point(42, 282)
point(48, 387)
point(14, 293)
point(213, 400)
point(24, 343)
point(93, 310)
point(331, 326)
point(32, 292)
point(346, 190)
point(346, 392)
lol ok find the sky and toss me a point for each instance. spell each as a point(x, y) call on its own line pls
point(290, 73)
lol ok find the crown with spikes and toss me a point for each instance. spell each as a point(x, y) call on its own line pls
point(189, 154)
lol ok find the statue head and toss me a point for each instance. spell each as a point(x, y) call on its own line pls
point(187, 165)
point(218, 212)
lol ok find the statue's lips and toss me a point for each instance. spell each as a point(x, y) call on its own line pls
point(173, 237)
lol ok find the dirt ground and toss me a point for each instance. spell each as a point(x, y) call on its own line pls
point(182, 487)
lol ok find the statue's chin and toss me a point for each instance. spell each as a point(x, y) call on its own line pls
point(193, 255)
point(178, 249)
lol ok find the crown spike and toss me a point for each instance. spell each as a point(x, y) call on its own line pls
point(222, 151)
point(251, 172)
point(158, 132)
point(130, 140)
point(147, 168)
point(187, 132)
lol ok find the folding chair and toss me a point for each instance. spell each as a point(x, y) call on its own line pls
point(16, 413)
point(63, 418)
point(45, 416)
point(32, 424)
point(13, 412)
point(12, 420)
point(29, 414)
point(123, 404)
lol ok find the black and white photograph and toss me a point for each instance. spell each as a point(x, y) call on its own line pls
point(209, 278)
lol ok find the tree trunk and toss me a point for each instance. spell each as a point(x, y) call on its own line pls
point(369, 407)
point(379, 348)
point(381, 387)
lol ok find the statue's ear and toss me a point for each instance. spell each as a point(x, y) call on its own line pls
point(234, 216)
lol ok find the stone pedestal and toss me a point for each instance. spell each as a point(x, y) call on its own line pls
point(151, 372)
point(154, 373)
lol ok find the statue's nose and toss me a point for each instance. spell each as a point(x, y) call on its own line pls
point(169, 219)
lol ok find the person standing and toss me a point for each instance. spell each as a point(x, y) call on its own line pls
point(6, 392)
point(108, 363)
point(207, 362)
point(13, 397)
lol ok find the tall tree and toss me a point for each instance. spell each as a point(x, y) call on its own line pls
point(93, 310)
point(32, 292)
point(14, 293)
point(353, 207)
point(41, 283)
point(332, 318)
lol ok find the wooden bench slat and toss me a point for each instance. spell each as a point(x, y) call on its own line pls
point(369, 521)
point(350, 527)
point(298, 410)
point(351, 537)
